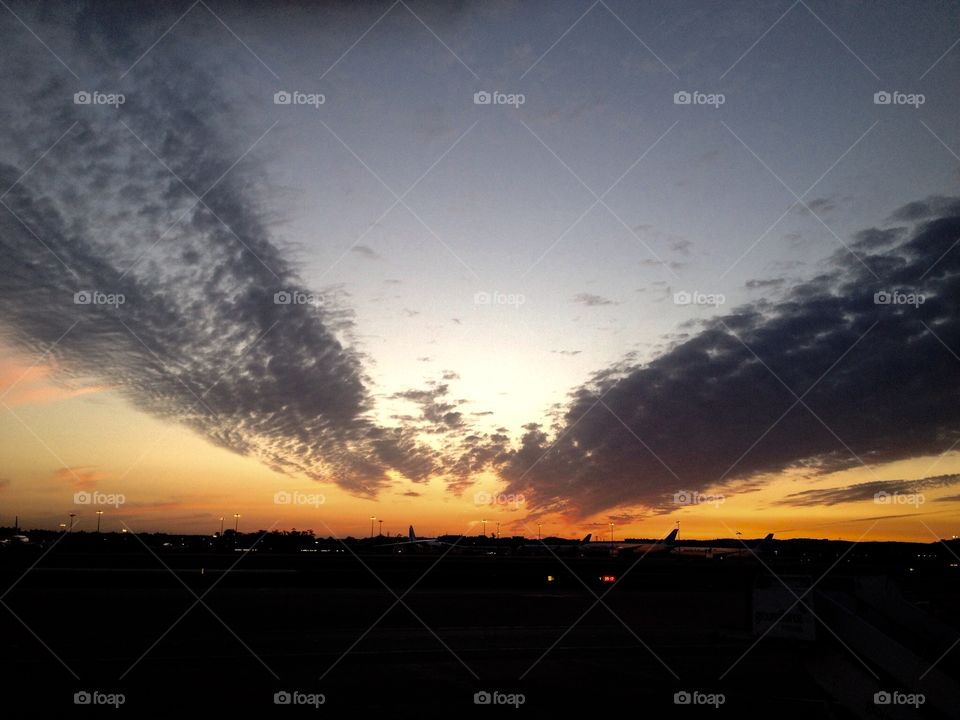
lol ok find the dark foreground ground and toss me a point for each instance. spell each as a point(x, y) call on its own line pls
point(332, 625)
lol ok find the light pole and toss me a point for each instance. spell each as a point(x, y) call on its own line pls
point(372, 518)
point(498, 529)
point(236, 523)
point(221, 526)
point(381, 528)
point(99, 515)
point(484, 527)
point(538, 531)
point(611, 532)
point(72, 516)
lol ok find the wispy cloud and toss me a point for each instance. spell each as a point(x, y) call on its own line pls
point(591, 300)
point(867, 490)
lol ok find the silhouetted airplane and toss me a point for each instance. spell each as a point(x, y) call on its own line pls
point(760, 547)
point(613, 548)
point(555, 547)
point(414, 540)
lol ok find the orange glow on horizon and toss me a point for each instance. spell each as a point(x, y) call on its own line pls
point(173, 480)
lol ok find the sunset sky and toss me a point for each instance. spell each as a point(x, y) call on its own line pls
point(486, 314)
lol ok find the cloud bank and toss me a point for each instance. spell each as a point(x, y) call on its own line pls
point(160, 202)
point(849, 367)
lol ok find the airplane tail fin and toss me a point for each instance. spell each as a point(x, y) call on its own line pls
point(586, 538)
point(669, 539)
point(764, 544)
point(412, 535)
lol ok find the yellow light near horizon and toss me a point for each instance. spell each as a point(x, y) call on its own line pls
point(60, 440)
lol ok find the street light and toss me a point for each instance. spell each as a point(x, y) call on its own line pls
point(611, 532)
point(221, 526)
point(372, 518)
point(99, 515)
point(498, 529)
point(381, 527)
point(538, 531)
point(484, 527)
point(236, 523)
point(72, 516)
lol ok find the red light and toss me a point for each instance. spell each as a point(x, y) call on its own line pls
point(608, 578)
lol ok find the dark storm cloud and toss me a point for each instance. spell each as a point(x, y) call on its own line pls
point(867, 490)
point(200, 337)
point(877, 381)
